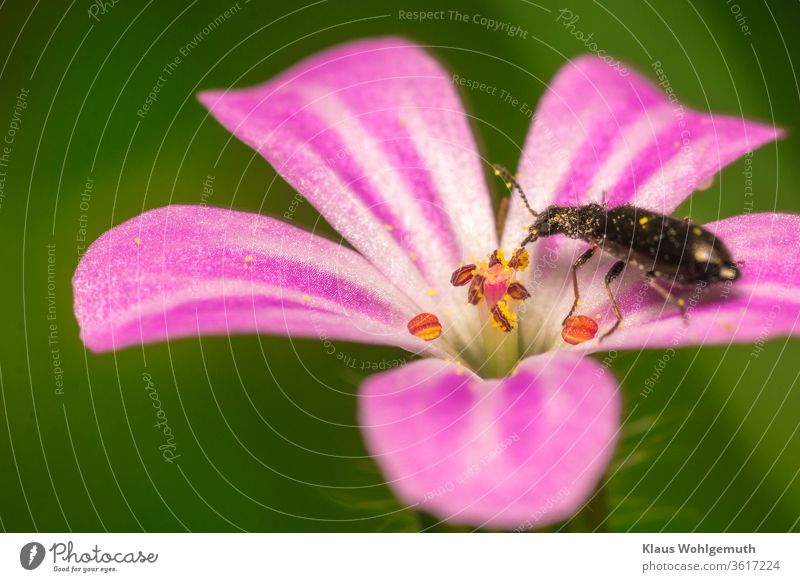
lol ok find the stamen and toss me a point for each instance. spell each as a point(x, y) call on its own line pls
point(578, 329)
point(462, 275)
point(502, 317)
point(519, 260)
point(425, 326)
point(475, 293)
point(518, 291)
point(494, 282)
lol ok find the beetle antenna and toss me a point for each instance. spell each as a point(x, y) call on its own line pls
point(512, 184)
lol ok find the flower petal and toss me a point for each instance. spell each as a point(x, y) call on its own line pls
point(763, 303)
point(374, 135)
point(524, 451)
point(189, 270)
point(597, 130)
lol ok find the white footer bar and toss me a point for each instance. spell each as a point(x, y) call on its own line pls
point(406, 557)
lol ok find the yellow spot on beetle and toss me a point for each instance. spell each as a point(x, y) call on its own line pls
point(697, 231)
point(644, 220)
point(702, 254)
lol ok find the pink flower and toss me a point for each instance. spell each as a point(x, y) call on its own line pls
point(374, 135)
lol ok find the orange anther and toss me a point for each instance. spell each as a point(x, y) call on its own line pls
point(425, 326)
point(578, 329)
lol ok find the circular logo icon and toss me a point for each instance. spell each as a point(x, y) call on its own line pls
point(31, 555)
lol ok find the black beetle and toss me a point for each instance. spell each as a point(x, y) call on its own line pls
point(662, 246)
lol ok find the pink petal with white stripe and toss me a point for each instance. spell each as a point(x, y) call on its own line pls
point(524, 451)
point(190, 270)
point(374, 135)
point(597, 130)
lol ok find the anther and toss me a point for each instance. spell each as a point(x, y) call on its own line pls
point(425, 326)
point(502, 317)
point(578, 329)
point(475, 292)
point(462, 275)
point(518, 291)
point(519, 260)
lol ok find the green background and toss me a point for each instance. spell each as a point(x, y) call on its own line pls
point(264, 445)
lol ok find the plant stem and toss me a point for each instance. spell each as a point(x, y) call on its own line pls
point(594, 515)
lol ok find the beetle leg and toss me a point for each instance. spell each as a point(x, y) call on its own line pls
point(612, 274)
point(578, 262)
point(655, 286)
point(512, 185)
